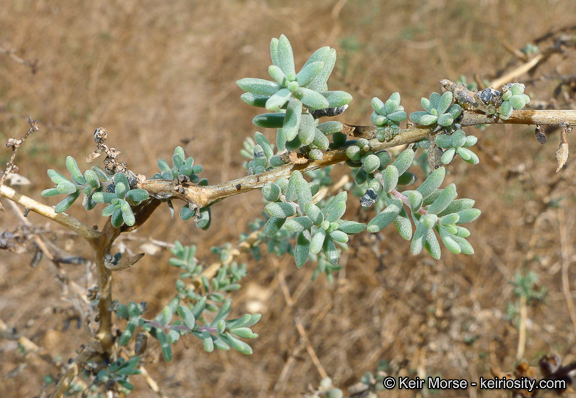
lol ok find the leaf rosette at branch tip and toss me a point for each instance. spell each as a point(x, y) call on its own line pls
point(457, 143)
point(387, 117)
point(432, 210)
point(318, 227)
point(514, 99)
point(439, 110)
point(120, 201)
point(94, 180)
point(293, 96)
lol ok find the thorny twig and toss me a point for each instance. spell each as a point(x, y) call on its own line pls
point(12, 54)
point(14, 144)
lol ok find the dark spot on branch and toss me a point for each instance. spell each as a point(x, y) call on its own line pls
point(238, 187)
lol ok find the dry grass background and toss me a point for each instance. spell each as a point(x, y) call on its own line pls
point(161, 74)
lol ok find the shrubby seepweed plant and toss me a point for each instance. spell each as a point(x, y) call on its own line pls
point(305, 217)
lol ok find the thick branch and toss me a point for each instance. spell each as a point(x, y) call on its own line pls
point(62, 218)
point(206, 196)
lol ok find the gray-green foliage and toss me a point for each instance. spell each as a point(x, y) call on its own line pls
point(293, 96)
point(432, 210)
point(439, 110)
point(97, 187)
point(184, 171)
point(457, 143)
point(387, 117)
point(303, 216)
point(513, 99)
point(318, 229)
point(186, 314)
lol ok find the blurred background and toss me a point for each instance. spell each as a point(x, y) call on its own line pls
point(162, 74)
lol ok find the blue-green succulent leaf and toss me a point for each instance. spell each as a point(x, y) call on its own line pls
point(258, 86)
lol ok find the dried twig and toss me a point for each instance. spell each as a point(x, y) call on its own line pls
point(12, 54)
point(565, 247)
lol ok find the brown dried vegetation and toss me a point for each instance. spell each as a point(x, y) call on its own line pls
point(161, 74)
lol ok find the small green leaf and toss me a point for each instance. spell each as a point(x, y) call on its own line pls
point(385, 218)
point(337, 98)
point(445, 102)
point(449, 241)
point(331, 127)
point(328, 55)
point(351, 227)
point(257, 100)
point(127, 213)
point(302, 249)
point(457, 205)
point(247, 333)
point(415, 199)
point(371, 163)
point(309, 72)
point(468, 215)
point(273, 225)
point(330, 250)
point(50, 192)
point(66, 202)
point(404, 161)
point(445, 198)
point(291, 122)
point(432, 245)
point(277, 74)
point(427, 120)
point(448, 156)
point(311, 99)
point(66, 188)
point(205, 218)
point(392, 103)
point(258, 86)
point(92, 179)
point(187, 316)
point(443, 141)
point(223, 313)
point(336, 208)
point(445, 120)
point(280, 210)
point(269, 120)
point(74, 170)
point(286, 57)
point(208, 342)
point(465, 246)
point(317, 241)
point(278, 100)
point(298, 224)
point(186, 213)
point(339, 236)
point(136, 196)
point(432, 183)
point(199, 307)
point(307, 129)
point(117, 219)
point(403, 225)
point(419, 239)
point(390, 177)
point(127, 334)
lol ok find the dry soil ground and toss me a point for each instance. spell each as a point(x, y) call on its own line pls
point(161, 74)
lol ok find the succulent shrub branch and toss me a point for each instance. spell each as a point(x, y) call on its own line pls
point(203, 196)
point(301, 218)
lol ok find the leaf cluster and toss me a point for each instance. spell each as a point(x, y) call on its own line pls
point(439, 110)
point(97, 188)
point(387, 117)
point(294, 96)
point(457, 143)
point(189, 307)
